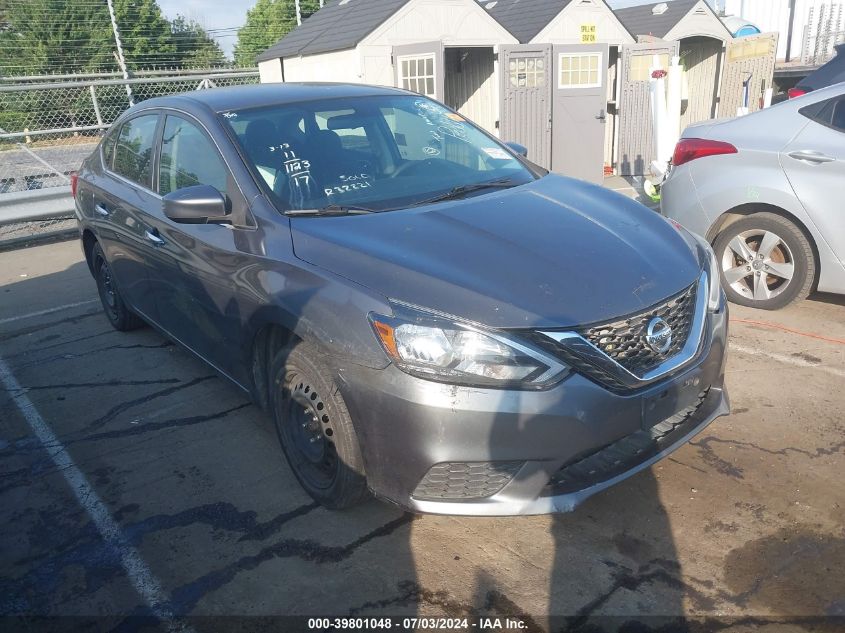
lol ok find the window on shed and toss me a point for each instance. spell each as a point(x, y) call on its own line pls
point(641, 66)
point(417, 74)
point(580, 70)
point(527, 72)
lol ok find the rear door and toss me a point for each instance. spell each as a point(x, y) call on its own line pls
point(814, 162)
point(579, 112)
point(526, 93)
point(419, 68)
point(121, 201)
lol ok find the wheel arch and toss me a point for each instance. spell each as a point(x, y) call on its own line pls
point(88, 242)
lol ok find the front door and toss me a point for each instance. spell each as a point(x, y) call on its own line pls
point(579, 111)
point(526, 107)
point(196, 266)
point(419, 68)
point(814, 162)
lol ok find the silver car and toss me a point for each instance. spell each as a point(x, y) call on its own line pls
point(768, 192)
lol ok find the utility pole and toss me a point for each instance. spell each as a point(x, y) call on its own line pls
point(298, 13)
point(121, 61)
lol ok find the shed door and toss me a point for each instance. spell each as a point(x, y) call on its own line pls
point(419, 68)
point(526, 111)
point(747, 59)
point(579, 112)
point(636, 132)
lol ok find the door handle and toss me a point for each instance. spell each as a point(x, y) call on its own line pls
point(101, 210)
point(809, 156)
point(602, 115)
point(152, 236)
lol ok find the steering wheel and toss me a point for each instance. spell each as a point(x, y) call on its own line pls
point(414, 164)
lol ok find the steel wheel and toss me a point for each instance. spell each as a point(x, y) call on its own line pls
point(758, 265)
point(117, 312)
point(315, 428)
point(308, 431)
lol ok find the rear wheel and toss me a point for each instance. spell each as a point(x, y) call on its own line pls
point(118, 314)
point(766, 262)
point(315, 429)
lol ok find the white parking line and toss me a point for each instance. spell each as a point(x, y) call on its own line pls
point(136, 569)
point(789, 360)
point(32, 315)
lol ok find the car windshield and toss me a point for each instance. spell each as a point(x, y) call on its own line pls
point(370, 153)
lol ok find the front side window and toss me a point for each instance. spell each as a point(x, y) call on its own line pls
point(381, 153)
point(133, 156)
point(189, 158)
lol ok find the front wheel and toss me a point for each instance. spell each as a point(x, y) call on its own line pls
point(766, 262)
point(315, 429)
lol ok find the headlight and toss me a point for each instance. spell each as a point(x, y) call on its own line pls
point(448, 351)
point(715, 295)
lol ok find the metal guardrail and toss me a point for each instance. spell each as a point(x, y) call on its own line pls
point(36, 205)
point(48, 125)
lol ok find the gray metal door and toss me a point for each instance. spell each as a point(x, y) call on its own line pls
point(526, 109)
point(748, 60)
point(420, 68)
point(636, 132)
point(579, 111)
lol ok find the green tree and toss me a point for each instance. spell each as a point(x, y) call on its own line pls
point(194, 47)
point(266, 23)
point(41, 36)
point(146, 35)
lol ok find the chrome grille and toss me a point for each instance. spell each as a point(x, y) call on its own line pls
point(624, 340)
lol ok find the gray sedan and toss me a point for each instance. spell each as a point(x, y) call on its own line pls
point(423, 314)
point(767, 190)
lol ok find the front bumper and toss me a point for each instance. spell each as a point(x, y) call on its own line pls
point(520, 448)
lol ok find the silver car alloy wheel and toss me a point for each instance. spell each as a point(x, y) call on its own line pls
point(758, 265)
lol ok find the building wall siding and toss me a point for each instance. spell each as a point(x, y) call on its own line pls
point(339, 66)
point(566, 27)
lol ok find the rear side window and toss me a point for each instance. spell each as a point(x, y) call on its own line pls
point(830, 113)
point(108, 150)
point(133, 155)
point(189, 158)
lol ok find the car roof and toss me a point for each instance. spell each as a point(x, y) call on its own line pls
point(832, 72)
point(260, 95)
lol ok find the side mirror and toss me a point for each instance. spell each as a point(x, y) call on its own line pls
point(199, 204)
point(519, 149)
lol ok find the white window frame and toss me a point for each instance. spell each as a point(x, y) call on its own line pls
point(559, 69)
point(424, 77)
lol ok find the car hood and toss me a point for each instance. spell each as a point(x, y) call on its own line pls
point(552, 253)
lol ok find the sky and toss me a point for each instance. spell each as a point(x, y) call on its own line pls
point(231, 14)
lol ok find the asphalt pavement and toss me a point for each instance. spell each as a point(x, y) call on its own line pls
point(134, 481)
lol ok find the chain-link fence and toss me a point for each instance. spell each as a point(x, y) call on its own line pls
point(49, 124)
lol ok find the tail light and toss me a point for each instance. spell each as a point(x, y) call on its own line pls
point(796, 92)
point(689, 149)
point(74, 181)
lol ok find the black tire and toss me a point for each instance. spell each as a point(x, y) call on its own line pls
point(117, 312)
point(793, 252)
point(315, 429)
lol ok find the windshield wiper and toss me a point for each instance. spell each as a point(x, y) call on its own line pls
point(332, 209)
point(457, 192)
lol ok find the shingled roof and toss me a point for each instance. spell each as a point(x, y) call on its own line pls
point(524, 19)
point(641, 20)
point(339, 25)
